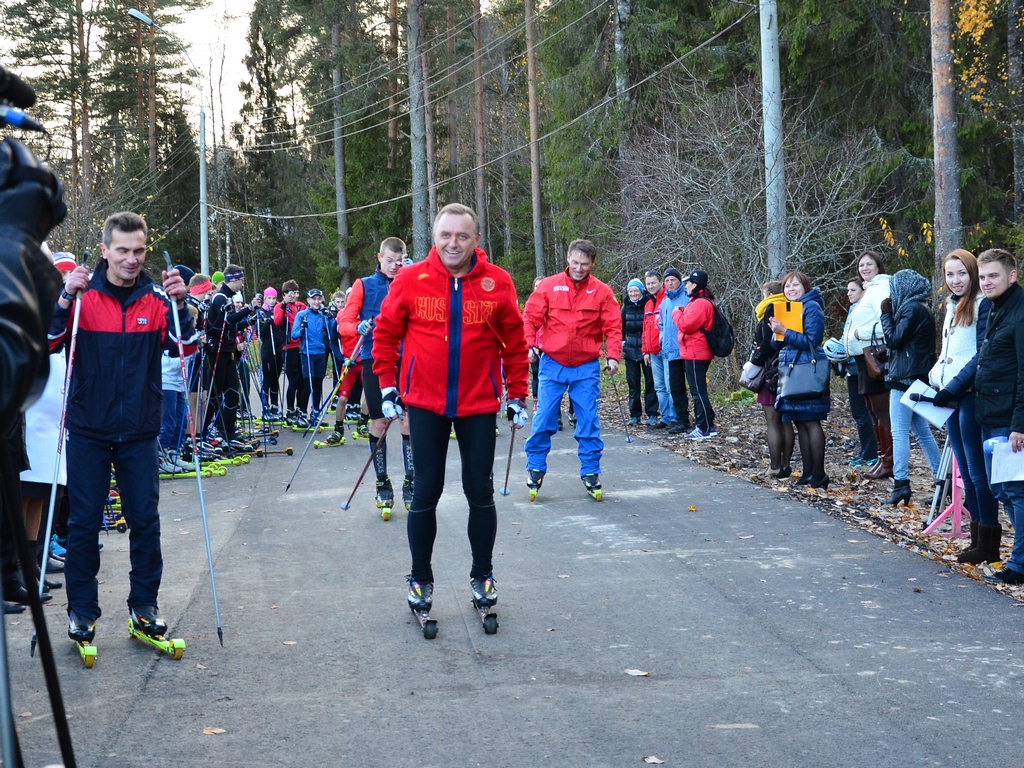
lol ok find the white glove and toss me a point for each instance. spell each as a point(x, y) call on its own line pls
point(516, 413)
point(391, 403)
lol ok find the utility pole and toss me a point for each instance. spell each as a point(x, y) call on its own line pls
point(340, 198)
point(774, 162)
point(531, 79)
point(481, 155)
point(417, 135)
point(949, 231)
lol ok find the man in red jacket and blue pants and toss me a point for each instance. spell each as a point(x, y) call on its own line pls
point(114, 406)
point(571, 313)
point(459, 319)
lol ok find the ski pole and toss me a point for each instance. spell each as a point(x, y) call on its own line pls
point(60, 449)
point(622, 413)
point(195, 459)
point(323, 412)
point(508, 467)
point(380, 443)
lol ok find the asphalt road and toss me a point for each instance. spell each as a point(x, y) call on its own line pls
point(773, 635)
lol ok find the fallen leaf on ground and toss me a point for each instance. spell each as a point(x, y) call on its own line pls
point(636, 673)
point(692, 508)
point(745, 537)
point(289, 642)
point(652, 760)
point(213, 731)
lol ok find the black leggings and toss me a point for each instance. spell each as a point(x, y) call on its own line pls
point(430, 435)
point(297, 383)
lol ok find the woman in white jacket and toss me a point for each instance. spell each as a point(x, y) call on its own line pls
point(864, 329)
point(963, 332)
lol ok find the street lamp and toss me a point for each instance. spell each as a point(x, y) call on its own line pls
point(204, 229)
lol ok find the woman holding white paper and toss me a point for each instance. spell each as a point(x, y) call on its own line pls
point(963, 332)
point(910, 338)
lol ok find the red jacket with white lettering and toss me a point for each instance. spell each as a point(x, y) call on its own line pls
point(460, 333)
point(573, 319)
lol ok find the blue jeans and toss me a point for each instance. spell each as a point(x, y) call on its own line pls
point(583, 385)
point(659, 367)
point(965, 437)
point(1012, 496)
point(904, 420)
point(172, 424)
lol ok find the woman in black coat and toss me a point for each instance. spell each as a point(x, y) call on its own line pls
point(632, 355)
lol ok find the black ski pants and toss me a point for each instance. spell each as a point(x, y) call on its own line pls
point(430, 434)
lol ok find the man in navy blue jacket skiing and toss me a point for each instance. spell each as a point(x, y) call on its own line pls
point(113, 415)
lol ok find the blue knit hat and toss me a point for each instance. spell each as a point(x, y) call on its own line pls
point(634, 283)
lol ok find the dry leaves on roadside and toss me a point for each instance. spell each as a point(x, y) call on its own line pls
point(213, 731)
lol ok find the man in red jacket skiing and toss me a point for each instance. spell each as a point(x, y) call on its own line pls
point(573, 313)
point(459, 320)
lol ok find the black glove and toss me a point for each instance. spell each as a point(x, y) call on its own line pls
point(31, 197)
point(943, 398)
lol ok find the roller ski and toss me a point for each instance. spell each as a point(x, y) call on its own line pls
point(485, 597)
point(336, 438)
point(385, 498)
point(362, 430)
point(421, 599)
point(536, 479)
point(407, 493)
point(593, 485)
point(83, 635)
point(146, 625)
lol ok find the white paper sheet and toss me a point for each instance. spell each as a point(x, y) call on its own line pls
point(934, 414)
point(1007, 466)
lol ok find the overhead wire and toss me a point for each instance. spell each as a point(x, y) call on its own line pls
point(554, 132)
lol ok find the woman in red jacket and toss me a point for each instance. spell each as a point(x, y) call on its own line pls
point(692, 320)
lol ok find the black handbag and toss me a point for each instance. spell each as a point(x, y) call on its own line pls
point(804, 381)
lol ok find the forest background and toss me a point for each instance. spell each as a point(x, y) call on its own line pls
point(650, 132)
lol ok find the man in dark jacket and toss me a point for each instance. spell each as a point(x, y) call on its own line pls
point(999, 389)
point(114, 406)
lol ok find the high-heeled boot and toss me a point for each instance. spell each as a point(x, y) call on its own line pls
point(883, 468)
point(900, 493)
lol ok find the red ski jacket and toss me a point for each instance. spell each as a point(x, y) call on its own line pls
point(650, 342)
point(692, 320)
point(572, 320)
point(284, 315)
point(459, 334)
point(116, 381)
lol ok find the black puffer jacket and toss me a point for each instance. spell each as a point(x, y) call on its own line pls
point(909, 331)
point(633, 326)
point(1000, 375)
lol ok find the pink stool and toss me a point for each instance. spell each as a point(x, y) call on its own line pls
point(956, 508)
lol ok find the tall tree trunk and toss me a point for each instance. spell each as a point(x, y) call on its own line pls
point(393, 97)
point(151, 100)
point(428, 116)
point(481, 158)
point(453, 125)
point(948, 226)
point(417, 135)
point(85, 102)
point(623, 10)
point(531, 79)
point(340, 198)
point(1015, 74)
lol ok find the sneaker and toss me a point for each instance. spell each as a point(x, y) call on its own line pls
point(634, 421)
point(146, 619)
point(653, 422)
point(485, 594)
point(175, 458)
point(675, 428)
point(166, 466)
point(79, 630)
point(1006, 576)
point(699, 434)
point(58, 548)
point(421, 596)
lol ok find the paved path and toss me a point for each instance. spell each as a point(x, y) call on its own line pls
point(773, 635)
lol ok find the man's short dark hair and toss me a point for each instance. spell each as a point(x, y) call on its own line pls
point(585, 247)
point(652, 273)
point(125, 221)
point(393, 244)
point(289, 285)
point(458, 209)
point(998, 254)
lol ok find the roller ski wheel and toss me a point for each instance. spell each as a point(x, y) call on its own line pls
point(335, 439)
point(145, 625)
point(421, 600)
point(535, 481)
point(83, 635)
point(593, 485)
point(484, 598)
point(121, 525)
point(385, 499)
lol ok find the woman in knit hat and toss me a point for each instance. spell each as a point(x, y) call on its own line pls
point(632, 354)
